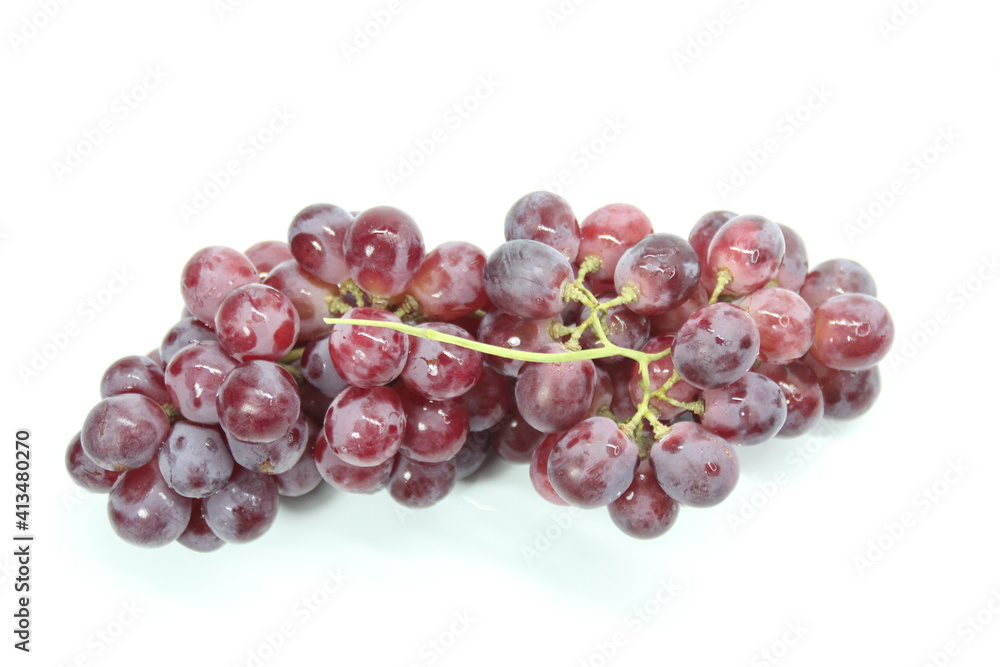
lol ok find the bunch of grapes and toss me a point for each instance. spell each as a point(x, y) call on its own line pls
point(625, 367)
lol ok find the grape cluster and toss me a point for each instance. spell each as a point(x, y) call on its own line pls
point(626, 367)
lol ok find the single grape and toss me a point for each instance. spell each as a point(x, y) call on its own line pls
point(276, 457)
point(751, 247)
point(547, 218)
point(135, 375)
point(488, 400)
point(604, 392)
point(418, 485)
point(198, 536)
point(663, 271)
point(539, 470)
point(308, 294)
point(365, 425)
point(245, 508)
point(703, 232)
point(473, 454)
point(344, 476)
point(316, 239)
point(193, 378)
point(144, 511)
point(607, 233)
point(302, 477)
point(514, 439)
point(622, 326)
point(716, 346)
point(318, 369)
point(514, 333)
point(795, 263)
point(835, 277)
point(85, 472)
point(621, 406)
point(383, 249)
point(552, 397)
point(437, 370)
point(188, 330)
point(195, 460)
point(748, 412)
point(124, 432)
point(853, 332)
point(257, 322)
point(368, 356)
point(449, 283)
point(266, 255)
point(210, 275)
point(660, 371)
point(846, 394)
point(527, 279)
point(644, 511)
point(258, 402)
point(694, 466)
point(593, 464)
point(802, 394)
point(785, 322)
point(435, 430)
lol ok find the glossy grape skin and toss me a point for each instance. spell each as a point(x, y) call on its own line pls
point(604, 392)
point(383, 249)
point(702, 233)
point(258, 402)
point(662, 269)
point(304, 476)
point(418, 485)
point(795, 263)
point(193, 378)
point(435, 430)
point(316, 240)
point(344, 476)
point(365, 425)
point(716, 346)
point(144, 511)
point(87, 474)
point(607, 233)
point(748, 412)
point(644, 511)
point(527, 279)
point(672, 320)
point(308, 295)
point(539, 470)
point(273, 458)
point(437, 370)
point(622, 326)
point(660, 371)
point(593, 463)
point(124, 432)
point(514, 439)
point(752, 248)
point(621, 406)
point(135, 375)
point(835, 277)
point(694, 466)
point(552, 397)
point(188, 330)
point(368, 356)
point(257, 322)
point(449, 282)
point(244, 509)
point(198, 536)
point(488, 400)
point(846, 394)
point(318, 369)
point(266, 255)
point(210, 275)
point(195, 460)
point(514, 333)
point(853, 332)
point(547, 218)
point(473, 454)
point(785, 321)
point(803, 396)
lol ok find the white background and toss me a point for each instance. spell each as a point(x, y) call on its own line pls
point(817, 554)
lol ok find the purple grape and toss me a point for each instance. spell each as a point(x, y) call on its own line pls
point(135, 375)
point(188, 330)
point(383, 249)
point(694, 466)
point(437, 370)
point(85, 472)
point(552, 397)
point(473, 454)
point(195, 460)
point(752, 248)
point(449, 283)
point(835, 277)
point(258, 402)
point(144, 511)
point(803, 396)
point(547, 218)
point(622, 326)
point(318, 369)
point(198, 536)
point(435, 430)
point(672, 320)
point(660, 371)
point(539, 470)
point(662, 269)
point(701, 236)
point(308, 295)
point(748, 412)
point(488, 400)
point(716, 346)
point(368, 356)
point(273, 458)
point(853, 332)
point(257, 322)
point(124, 432)
point(210, 275)
point(514, 439)
point(316, 239)
point(266, 255)
point(604, 392)
point(527, 279)
point(607, 233)
point(418, 485)
point(193, 378)
point(846, 394)
point(785, 322)
point(514, 333)
point(593, 464)
point(795, 263)
point(344, 476)
point(244, 509)
point(365, 425)
point(644, 511)
point(304, 476)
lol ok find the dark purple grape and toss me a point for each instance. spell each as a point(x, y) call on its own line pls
point(435, 430)
point(418, 485)
point(258, 402)
point(257, 322)
point(318, 369)
point(663, 271)
point(473, 454)
point(188, 330)
point(365, 425)
point(210, 275)
point(383, 249)
point(266, 255)
point(514, 333)
point(552, 397)
point(488, 400)
point(368, 356)
point(802, 394)
point(835, 277)
point(437, 370)
point(622, 326)
point(198, 536)
point(547, 218)
point(644, 511)
point(846, 394)
point(144, 511)
point(276, 457)
point(85, 472)
point(193, 378)
point(748, 412)
point(344, 476)
point(195, 460)
point(660, 371)
point(527, 279)
point(752, 248)
point(245, 508)
point(607, 233)
point(694, 466)
point(316, 239)
point(795, 264)
point(514, 439)
point(135, 375)
point(124, 432)
point(785, 322)
point(716, 346)
point(853, 332)
point(539, 470)
point(449, 283)
point(593, 464)
point(308, 294)
point(604, 392)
